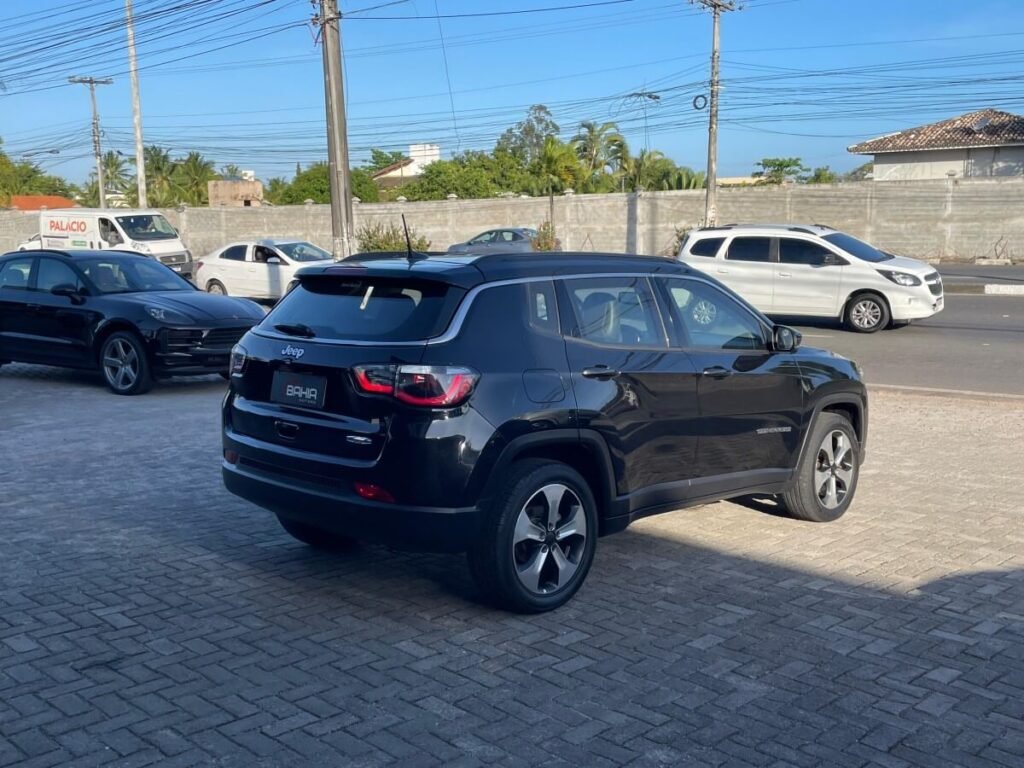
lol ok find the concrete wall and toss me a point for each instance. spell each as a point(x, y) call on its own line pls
point(958, 220)
point(979, 162)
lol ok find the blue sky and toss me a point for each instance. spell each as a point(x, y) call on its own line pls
point(800, 77)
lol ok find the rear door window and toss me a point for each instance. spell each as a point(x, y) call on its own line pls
point(750, 249)
point(16, 272)
point(367, 308)
point(708, 246)
point(793, 251)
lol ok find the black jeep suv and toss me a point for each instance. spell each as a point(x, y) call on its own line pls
point(516, 407)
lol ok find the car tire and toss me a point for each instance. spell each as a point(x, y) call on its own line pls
point(826, 479)
point(525, 567)
point(315, 537)
point(216, 287)
point(124, 364)
point(867, 313)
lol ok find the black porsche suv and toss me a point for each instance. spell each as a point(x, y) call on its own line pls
point(121, 313)
point(517, 407)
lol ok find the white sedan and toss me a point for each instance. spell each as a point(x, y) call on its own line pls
point(257, 269)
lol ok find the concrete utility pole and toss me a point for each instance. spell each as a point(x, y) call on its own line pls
point(140, 160)
point(717, 7)
point(337, 130)
point(92, 82)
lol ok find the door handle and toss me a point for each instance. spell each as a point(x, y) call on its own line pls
point(723, 271)
point(785, 274)
point(716, 372)
point(600, 372)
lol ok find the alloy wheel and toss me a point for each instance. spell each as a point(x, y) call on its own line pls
point(120, 364)
point(866, 313)
point(833, 469)
point(704, 312)
point(550, 539)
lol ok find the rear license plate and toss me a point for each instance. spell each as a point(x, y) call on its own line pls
point(298, 389)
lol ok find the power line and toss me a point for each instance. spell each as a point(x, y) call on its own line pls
point(447, 77)
point(516, 12)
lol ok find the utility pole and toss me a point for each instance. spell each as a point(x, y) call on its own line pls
point(92, 82)
point(140, 158)
point(337, 130)
point(717, 7)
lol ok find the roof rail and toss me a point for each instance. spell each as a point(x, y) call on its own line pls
point(803, 230)
point(58, 251)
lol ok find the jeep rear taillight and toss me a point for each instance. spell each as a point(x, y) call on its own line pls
point(425, 386)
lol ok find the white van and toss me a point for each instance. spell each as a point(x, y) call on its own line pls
point(146, 232)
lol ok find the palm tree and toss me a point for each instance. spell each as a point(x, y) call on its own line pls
point(230, 171)
point(619, 159)
point(642, 170)
point(160, 177)
point(193, 174)
point(115, 172)
point(594, 145)
point(557, 167)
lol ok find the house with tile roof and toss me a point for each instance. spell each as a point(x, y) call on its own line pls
point(983, 144)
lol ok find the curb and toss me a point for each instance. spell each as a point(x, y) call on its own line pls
point(1001, 289)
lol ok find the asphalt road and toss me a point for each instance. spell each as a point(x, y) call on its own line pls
point(976, 344)
point(971, 274)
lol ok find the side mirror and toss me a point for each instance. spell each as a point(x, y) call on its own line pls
point(273, 260)
point(68, 290)
point(785, 339)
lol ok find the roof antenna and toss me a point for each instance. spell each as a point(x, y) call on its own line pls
point(410, 254)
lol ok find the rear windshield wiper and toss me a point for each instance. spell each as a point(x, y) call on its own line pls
point(296, 329)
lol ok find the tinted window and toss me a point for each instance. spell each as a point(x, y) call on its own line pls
point(711, 319)
point(486, 237)
point(234, 253)
point(121, 274)
point(53, 273)
point(750, 249)
point(367, 309)
point(618, 311)
point(793, 251)
point(857, 248)
point(707, 247)
point(15, 273)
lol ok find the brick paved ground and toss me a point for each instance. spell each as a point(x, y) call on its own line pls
point(148, 618)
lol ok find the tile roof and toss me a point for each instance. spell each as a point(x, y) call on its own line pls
point(391, 168)
point(984, 128)
point(38, 202)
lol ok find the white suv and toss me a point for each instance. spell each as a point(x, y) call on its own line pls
point(815, 271)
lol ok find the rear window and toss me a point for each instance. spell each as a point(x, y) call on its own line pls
point(367, 309)
point(707, 247)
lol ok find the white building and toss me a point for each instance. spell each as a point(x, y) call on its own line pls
point(987, 143)
point(408, 168)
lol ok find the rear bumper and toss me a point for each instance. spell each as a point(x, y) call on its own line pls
point(336, 509)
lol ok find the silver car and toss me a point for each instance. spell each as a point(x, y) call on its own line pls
point(508, 240)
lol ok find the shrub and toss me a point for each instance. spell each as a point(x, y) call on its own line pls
point(546, 239)
point(388, 237)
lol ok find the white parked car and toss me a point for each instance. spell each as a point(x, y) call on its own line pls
point(257, 269)
point(815, 271)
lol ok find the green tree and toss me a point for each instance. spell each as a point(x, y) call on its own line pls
point(777, 170)
point(27, 178)
point(594, 144)
point(314, 184)
point(363, 186)
point(823, 175)
point(273, 190)
point(380, 159)
point(230, 171)
point(860, 173)
point(161, 184)
point(192, 175)
point(445, 177)
point(115, 172)
point(525, 139)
